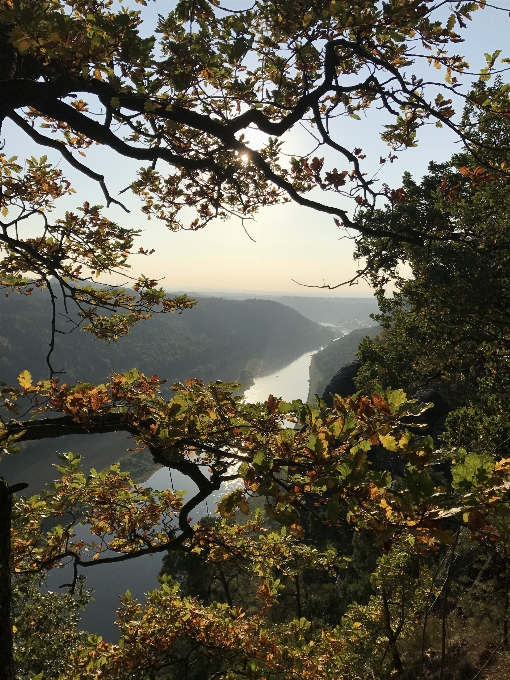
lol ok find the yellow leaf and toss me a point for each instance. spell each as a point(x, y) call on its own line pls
point(297, 531)
point(356, 625)
point(23, 45)
point(404, 440)
point(25, 380)
point(389, 442)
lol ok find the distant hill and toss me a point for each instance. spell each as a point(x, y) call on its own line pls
point(329, 360)
point(216, 340)
point(342, 312)
point(345, 313)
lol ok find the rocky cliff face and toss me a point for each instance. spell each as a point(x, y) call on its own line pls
point(342, 383)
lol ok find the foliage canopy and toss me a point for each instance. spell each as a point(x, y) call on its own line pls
point(81, 72)
point(426, 530)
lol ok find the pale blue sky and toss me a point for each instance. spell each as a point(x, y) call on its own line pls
point(290, 242)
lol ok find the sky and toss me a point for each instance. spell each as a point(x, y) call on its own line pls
point(288, 243)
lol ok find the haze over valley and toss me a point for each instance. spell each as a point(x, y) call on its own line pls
point(219, 339)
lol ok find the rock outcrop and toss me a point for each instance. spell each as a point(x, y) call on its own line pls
point(342, 383)
point(430, 422)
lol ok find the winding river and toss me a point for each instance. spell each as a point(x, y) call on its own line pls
point(138, 576)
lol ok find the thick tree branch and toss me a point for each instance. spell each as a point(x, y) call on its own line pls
point(64, 151)
point(51, 428)
point(44, 98)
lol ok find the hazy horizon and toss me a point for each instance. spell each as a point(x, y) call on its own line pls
point(274, 293)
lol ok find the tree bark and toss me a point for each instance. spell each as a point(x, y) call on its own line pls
point(6, 639)
point(505, 617)
point(392, 637)
point(444, 613)
point(6, 652)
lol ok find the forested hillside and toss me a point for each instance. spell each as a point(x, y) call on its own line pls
point(214, 340)
point(344, 312)
point(326, 362)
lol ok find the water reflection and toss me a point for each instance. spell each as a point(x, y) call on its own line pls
point(290, 382)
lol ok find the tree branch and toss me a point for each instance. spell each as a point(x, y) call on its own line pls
point(64, 151)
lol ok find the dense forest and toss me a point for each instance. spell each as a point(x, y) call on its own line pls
point(362, 536)
point(215, 340)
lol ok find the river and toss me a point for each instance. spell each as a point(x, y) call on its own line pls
point(141, 574)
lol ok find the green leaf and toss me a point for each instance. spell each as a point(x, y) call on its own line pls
point(349, 422)
point(131, 375)
point(259, 458)
point(229, 502)
point(472, 471)
point(262, 462)
point(288, 407)
point(396, 398)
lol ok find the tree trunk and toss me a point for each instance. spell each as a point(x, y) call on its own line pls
point(6, 656)
point(505, 619)
point(6, 642)
point(444, 613)
point(392, 638)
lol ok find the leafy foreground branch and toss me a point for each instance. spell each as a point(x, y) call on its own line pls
point(279, 593)
point(68, 254)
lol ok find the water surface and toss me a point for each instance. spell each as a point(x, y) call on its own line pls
point(140, 575)
point(290, 382)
